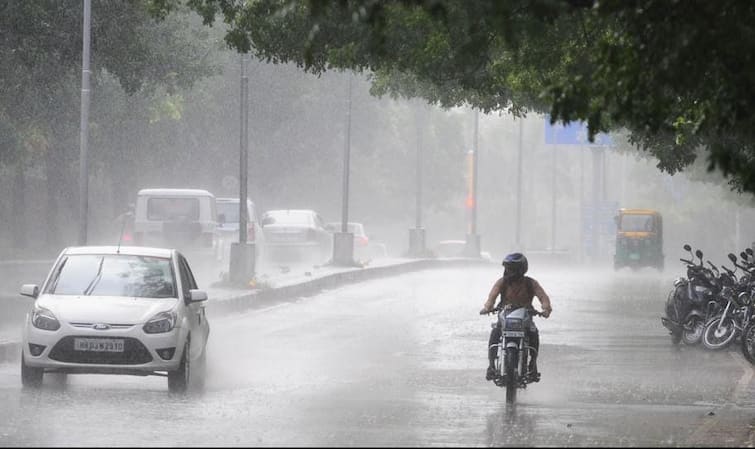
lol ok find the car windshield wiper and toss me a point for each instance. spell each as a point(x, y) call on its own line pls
point(97, 277)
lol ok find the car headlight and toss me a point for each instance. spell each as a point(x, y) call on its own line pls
point(162, 322)
point(42, 318)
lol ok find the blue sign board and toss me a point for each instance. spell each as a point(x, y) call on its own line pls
point(573, 133)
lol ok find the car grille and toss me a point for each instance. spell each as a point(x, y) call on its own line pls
point(134, 353)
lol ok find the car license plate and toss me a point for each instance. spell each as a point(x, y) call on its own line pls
point(98, 344)
point(513, 333)
point(634, 256)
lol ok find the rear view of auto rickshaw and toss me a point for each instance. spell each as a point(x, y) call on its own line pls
point(639, 239)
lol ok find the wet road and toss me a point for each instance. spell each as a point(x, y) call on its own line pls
point(400, 361)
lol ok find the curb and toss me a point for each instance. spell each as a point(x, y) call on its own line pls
point(259, 299)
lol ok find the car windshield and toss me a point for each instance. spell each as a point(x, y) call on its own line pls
point(114, 275)
point(287, 217)
point(173, 209)
point(637, 223)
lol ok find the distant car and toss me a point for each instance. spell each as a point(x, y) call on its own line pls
point(457, 248)
point(116, 310)
point(296, 234)
point(450, 248)
point(364, 248)
point(184, 219)
point(228, 226)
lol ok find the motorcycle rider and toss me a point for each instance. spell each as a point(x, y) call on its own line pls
point(516, 290)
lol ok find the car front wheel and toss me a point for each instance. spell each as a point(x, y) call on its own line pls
point(178, 380)
point(30, 377)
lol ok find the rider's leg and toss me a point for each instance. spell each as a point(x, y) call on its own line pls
point(534, 339)
point(493, 342)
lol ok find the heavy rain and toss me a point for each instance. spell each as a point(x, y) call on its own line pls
point(409, 169)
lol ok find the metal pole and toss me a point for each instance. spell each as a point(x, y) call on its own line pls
point(84, 132)
point(346, 154)
point(474, 172)
point(243, 151)
point(519, 188)
point(582, 203)
point(418, 220)
point(553, 196)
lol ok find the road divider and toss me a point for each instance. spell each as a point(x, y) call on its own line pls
point(236, 301)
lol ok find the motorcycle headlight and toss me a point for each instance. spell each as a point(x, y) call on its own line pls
point(514, 324)
point(160, 323)
point(42, 318)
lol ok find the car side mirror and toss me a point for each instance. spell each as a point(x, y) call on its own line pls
point(30, 290)
point(197, 295)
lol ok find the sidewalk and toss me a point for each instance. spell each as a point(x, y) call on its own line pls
point(284, 286)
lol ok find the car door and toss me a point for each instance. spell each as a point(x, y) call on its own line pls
point(196, 312)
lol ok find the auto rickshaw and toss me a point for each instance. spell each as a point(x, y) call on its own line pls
point(639, 239)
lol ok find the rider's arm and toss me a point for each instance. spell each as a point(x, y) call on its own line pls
point(494, 292)
point(545, 301)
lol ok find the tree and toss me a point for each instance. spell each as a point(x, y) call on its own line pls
point(41, 46)
point(678, 75)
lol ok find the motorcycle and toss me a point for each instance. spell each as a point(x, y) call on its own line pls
point(514, 350)
point(692, 301)
point(724, 328)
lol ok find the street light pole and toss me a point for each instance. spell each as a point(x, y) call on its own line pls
point(473, 239)
point(343, 242)
point(241, 269)
point(417, 235)
point(243, 151)
point(84, 131)
point(519, 188)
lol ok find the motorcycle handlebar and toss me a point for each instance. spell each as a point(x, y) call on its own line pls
point(496, 310)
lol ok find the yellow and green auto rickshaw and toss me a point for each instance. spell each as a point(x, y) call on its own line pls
point(639, 239)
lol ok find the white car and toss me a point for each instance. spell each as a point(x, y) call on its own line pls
point(117, 310)
point(296, 234)
point(228, 227)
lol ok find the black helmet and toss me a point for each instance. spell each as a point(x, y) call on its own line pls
point(515, 265)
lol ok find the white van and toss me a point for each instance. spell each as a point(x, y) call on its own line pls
point(184, 219)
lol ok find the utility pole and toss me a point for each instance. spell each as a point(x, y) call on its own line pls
point(343, 242)
point(417, 235)
point(519, 188)
point(554, 186)
point(242, 261)
point(472, 248)
point(84, 131)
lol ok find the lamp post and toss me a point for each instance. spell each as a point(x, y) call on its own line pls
point(241, 269)
point(84, 130)
point(417, 242)
point(519, 187)
point(343, 242)
point(472, 248)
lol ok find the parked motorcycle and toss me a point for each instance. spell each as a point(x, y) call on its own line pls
point(692, 301)
point(724, 328)
point(514, 350)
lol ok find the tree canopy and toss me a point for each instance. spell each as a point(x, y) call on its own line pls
point(678, 75)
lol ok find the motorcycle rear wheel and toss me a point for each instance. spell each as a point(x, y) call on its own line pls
point(718, 338)
point(748, 343)
point(693, 336)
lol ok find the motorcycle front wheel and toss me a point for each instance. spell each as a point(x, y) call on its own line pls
point(512, 361)
point(693, 331)
point(748, 343)
point(719, 337)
